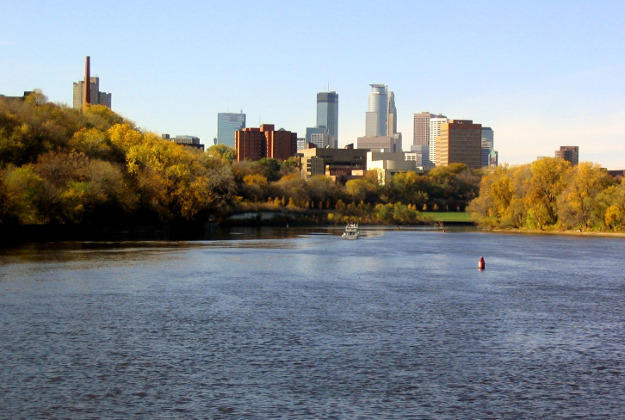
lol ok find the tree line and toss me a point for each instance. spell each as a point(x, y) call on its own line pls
point(59, 165)
point(550, 194)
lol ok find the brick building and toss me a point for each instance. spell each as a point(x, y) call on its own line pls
point(257, 143)
point(460, 141)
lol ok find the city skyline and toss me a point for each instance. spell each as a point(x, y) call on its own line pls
point(541, 74)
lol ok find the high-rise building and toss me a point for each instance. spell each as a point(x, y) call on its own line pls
point(421, 129)
point(228, 124)
point(493, 158)
point(569, 153)
point(381, 121)
point(460, 141)
point(95, 96)
point(424, 124)
point(435, 131)
point(257, 143)
point(391, 116)
point(377, 110)
point(328, 115)
point(488, 143)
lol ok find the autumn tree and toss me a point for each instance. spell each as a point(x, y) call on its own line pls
point(547, 182)
point(364, 189)
point(610, 207)
point(577, 202)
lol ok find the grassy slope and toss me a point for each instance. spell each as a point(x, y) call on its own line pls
point(451, 216)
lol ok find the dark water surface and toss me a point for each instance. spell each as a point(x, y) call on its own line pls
point(398, 324)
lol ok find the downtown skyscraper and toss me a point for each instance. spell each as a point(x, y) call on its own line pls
point(228, 124)
point(328, 115)
point(381, 121)
point(377, 111)
point(426, 128)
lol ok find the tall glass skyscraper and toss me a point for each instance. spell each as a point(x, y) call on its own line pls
point(377, 111)
point(328, 114)
point(227, 125)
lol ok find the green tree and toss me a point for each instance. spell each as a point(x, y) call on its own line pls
point(610, 208)
point(21, 188)
point(222, 151)
point(271, 168)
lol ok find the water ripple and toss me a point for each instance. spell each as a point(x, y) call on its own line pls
point(397, 325)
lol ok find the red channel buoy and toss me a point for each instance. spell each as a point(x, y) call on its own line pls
point(481, 265)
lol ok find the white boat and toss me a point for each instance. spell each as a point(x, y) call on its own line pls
point(351, 231)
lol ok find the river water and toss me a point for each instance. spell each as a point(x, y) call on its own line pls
point(299, 323)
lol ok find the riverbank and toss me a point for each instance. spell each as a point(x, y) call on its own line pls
point(14, 234)
point(558, 232)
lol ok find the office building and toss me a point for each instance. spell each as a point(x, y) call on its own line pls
point(379, 143)
point(435, 131)
point(339, 164)
point(314, 130)
point(388, 164)
point(421, 129)
point(425, 124)
point(189, 141)
point(228, 124)
point(321, 140)
point(460, 141)
point(488, 144)
point(328, 115)
point(493, 158)
point(377, 110)
point(257, 143)
point(422, 155)
point(569, 153)
point(381, 122)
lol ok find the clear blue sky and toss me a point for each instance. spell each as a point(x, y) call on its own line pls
point(540, 73)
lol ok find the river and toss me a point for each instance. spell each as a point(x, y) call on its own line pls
point(299, 323)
